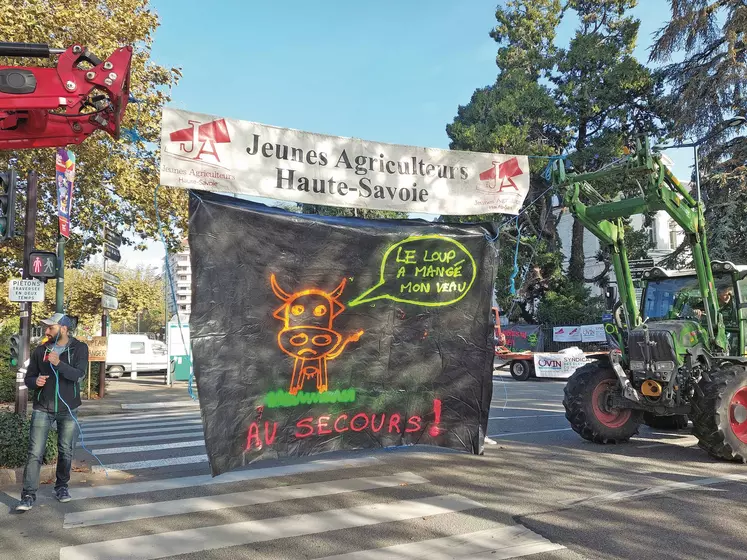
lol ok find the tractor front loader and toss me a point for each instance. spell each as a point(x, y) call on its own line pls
point(684, 353)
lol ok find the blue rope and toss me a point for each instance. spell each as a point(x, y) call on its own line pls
point(515, 272)
point(170, 279)
point(80, 429)
point(132, 134)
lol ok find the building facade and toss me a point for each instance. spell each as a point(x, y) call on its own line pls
point(664, 233)
point(181, 277)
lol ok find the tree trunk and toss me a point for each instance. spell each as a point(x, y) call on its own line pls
point(577, 261)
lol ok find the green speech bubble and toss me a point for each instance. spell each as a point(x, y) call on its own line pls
point(429, 270)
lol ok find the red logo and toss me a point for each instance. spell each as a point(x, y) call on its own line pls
point(505, 171)
point(202, 138)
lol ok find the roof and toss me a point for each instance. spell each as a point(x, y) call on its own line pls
point(718, 267)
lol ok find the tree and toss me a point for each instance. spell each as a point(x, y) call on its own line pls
point(606, 95)
point(518, 115)
point(115, 179)
point(140, 290)
point(708, 86)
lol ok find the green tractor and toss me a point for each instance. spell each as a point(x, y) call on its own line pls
point(685, 353)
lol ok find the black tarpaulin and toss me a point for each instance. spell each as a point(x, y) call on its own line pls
point(313, 334)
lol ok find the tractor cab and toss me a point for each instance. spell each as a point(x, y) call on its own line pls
point(674, 297)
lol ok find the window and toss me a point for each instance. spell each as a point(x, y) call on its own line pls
point(183, 307)
point(182, 277)
point(182, 298)
point(137, 347)
point(672, 235)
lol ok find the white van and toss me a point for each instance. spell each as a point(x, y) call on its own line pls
point(134, 353)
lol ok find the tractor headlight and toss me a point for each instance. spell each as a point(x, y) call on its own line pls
point(665, 366)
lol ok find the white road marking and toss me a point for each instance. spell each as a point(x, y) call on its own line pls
point(145, 448)
point(498, 436)
point(653, 490)
point(153, 429)
point(530, 416)
point(500, 543)
point(134, 416)
point(235, 534)
point(104, 516)
point(134, 426)
point(137, 439)
point(150, 486)
point(151, 464)
point(147, 406)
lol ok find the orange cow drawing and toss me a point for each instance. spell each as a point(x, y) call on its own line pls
point(308, 334)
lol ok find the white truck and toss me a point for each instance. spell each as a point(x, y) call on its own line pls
point(133, 354)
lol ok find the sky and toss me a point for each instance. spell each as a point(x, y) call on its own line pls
point(390, 71)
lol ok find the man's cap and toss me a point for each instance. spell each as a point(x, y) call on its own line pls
point(58, 319)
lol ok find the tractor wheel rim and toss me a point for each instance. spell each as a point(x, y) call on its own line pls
point(519, 369)
point(610, 417)
point(738, 414)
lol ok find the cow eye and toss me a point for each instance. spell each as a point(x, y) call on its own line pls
point(297, 309)
point(320, 310)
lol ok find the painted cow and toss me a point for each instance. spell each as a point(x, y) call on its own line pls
point(308, 333)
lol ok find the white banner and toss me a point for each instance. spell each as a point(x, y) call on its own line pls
point(558, 365)
point(593, 333)
point(225, 155)
point(566, 334)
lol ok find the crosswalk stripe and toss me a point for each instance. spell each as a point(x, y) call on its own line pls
point(131, 426)
point(134, 416)
point(148, 406)
point(138, 439)
point(499, 543)
point(150, 486)
point(145, 448)
point(154, 429)
point(151, 464)
point(186, 541)
point(104, 516)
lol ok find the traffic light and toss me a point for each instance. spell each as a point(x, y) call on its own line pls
point(15, 349)
point(7, 205)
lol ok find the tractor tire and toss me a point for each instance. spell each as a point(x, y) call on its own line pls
point(587, 411)
point(674, 422)
point(720, 416)
point(521, 370)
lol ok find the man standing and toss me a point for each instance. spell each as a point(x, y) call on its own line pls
point(55, 370)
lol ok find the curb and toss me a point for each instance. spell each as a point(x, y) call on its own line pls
point(10, 477)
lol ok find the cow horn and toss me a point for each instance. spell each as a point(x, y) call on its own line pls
point(277, 289)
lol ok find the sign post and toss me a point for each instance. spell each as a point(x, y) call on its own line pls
point(96, 353)
point(29, 238)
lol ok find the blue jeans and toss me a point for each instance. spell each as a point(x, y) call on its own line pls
point(41, 422)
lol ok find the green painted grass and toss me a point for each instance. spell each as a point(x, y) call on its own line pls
point(282, 399)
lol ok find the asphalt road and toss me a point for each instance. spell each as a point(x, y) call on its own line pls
point(539, 492)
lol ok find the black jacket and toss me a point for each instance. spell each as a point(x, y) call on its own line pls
point(72, 368)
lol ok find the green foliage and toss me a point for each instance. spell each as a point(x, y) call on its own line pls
point(141, 290)
point(115, 179)
point(351, 212)
point(570, 304)
point(14, 441)
point(586, 99)
point(707, 86)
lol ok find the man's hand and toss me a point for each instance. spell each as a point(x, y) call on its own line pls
point(54, 358)
point(41, 380)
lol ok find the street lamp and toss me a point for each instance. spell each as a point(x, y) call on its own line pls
point(734, 121)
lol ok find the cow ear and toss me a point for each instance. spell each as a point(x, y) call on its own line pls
point(337, 292)
point(280, 312)
point(337, 308)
